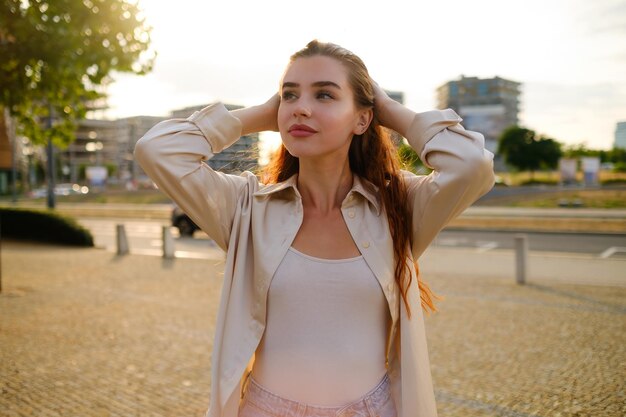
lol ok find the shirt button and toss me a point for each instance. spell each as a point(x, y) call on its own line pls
point(366, 245)
point(351, 197)
point(351, 214)
point(390, 286)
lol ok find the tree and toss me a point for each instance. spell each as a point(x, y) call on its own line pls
point(525, 150)
point(548, 152)
point(57, 56)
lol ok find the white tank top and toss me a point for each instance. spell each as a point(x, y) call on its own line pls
point(324, 342)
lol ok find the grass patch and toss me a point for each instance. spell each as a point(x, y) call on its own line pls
point(606, 199)
point(539, 182)
point(43, 226)
point(553, 177)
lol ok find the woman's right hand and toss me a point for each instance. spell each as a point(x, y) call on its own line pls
point(263, 117)
point(271, 110)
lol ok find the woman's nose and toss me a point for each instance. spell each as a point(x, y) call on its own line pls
point(302, 109)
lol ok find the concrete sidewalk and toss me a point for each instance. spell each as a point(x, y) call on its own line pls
point(86, 333)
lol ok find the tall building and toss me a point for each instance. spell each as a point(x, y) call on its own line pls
point(98, 142)
point(241, 156)
point(112, 142)
point(487, 105)
point(106, 142)
point(620, 135)
point(133, 128)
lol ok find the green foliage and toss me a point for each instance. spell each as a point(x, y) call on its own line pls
point(410, 161)
point(523, 149)
point(613, 181)
point(55, 57)
point(536, 181)
point(615, 155)
point(579, 150)
point(620, 166)
point(43, 226)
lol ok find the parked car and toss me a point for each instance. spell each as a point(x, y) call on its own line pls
point(60, 189)
point(70, 189)
point(180, 220)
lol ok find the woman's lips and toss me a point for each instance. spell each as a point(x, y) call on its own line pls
point(301, 131)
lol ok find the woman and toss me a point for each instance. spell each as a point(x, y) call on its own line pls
point(320, 308)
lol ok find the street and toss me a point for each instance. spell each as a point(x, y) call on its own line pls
point(601, 245)
point(145, 237)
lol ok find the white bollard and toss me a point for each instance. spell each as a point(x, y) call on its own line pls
point(122, 241)
point(521, 258)
point(168, 243)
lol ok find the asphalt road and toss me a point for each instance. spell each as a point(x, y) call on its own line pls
point(145, 236)
point(602, 245)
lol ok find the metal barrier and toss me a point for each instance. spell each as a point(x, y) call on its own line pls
point(122, 241)
point(168, 243)
point(521, 258)
point(169, 251)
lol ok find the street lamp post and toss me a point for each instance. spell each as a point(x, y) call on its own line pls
point(51, 199)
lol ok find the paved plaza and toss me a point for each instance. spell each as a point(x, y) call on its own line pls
point(84, 333)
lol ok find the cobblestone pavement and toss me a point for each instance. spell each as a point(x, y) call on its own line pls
point(86, 333)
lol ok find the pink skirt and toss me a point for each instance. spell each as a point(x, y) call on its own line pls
point(260, 402)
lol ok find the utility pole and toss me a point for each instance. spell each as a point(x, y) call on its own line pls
point(10, 129)
point(0, 253)
point(51, 199)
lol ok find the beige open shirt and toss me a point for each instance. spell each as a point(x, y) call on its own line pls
point(255, 224)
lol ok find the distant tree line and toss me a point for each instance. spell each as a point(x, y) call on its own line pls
point(616, 156)
point(525, 150)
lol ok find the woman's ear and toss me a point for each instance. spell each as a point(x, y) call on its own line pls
point(363, 121)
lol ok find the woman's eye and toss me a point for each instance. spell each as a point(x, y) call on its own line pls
point(288, 95)
point(324, 95)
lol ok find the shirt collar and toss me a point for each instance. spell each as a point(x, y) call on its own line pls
point(360, 186)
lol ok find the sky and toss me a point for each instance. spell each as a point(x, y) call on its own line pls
point(570, 56)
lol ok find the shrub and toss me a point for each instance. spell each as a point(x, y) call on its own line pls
point(539, 182)
point(619, 167)
point(613, 181)
point(43, 226)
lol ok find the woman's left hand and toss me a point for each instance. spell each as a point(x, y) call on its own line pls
point(381, 104)
point(390, 113)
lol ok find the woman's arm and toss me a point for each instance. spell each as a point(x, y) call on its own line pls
point(172, 154)
point(392, 114)
point(462, 167)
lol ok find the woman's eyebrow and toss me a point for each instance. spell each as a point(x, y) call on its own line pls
point(289, 84)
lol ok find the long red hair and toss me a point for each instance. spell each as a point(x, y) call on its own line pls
point(372, 156)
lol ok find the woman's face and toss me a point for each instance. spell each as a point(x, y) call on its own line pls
point(317, 116)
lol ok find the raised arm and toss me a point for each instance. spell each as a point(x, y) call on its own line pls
point(462, 167)
point(259, 118)
point(173, 151)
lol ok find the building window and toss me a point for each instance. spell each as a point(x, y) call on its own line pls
point(483, 89)
point(454, 90)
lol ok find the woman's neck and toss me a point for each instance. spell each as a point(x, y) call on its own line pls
point(323, 186)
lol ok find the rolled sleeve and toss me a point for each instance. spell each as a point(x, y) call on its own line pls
point(462, 173)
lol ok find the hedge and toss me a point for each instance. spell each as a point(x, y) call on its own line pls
point(43, 226)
